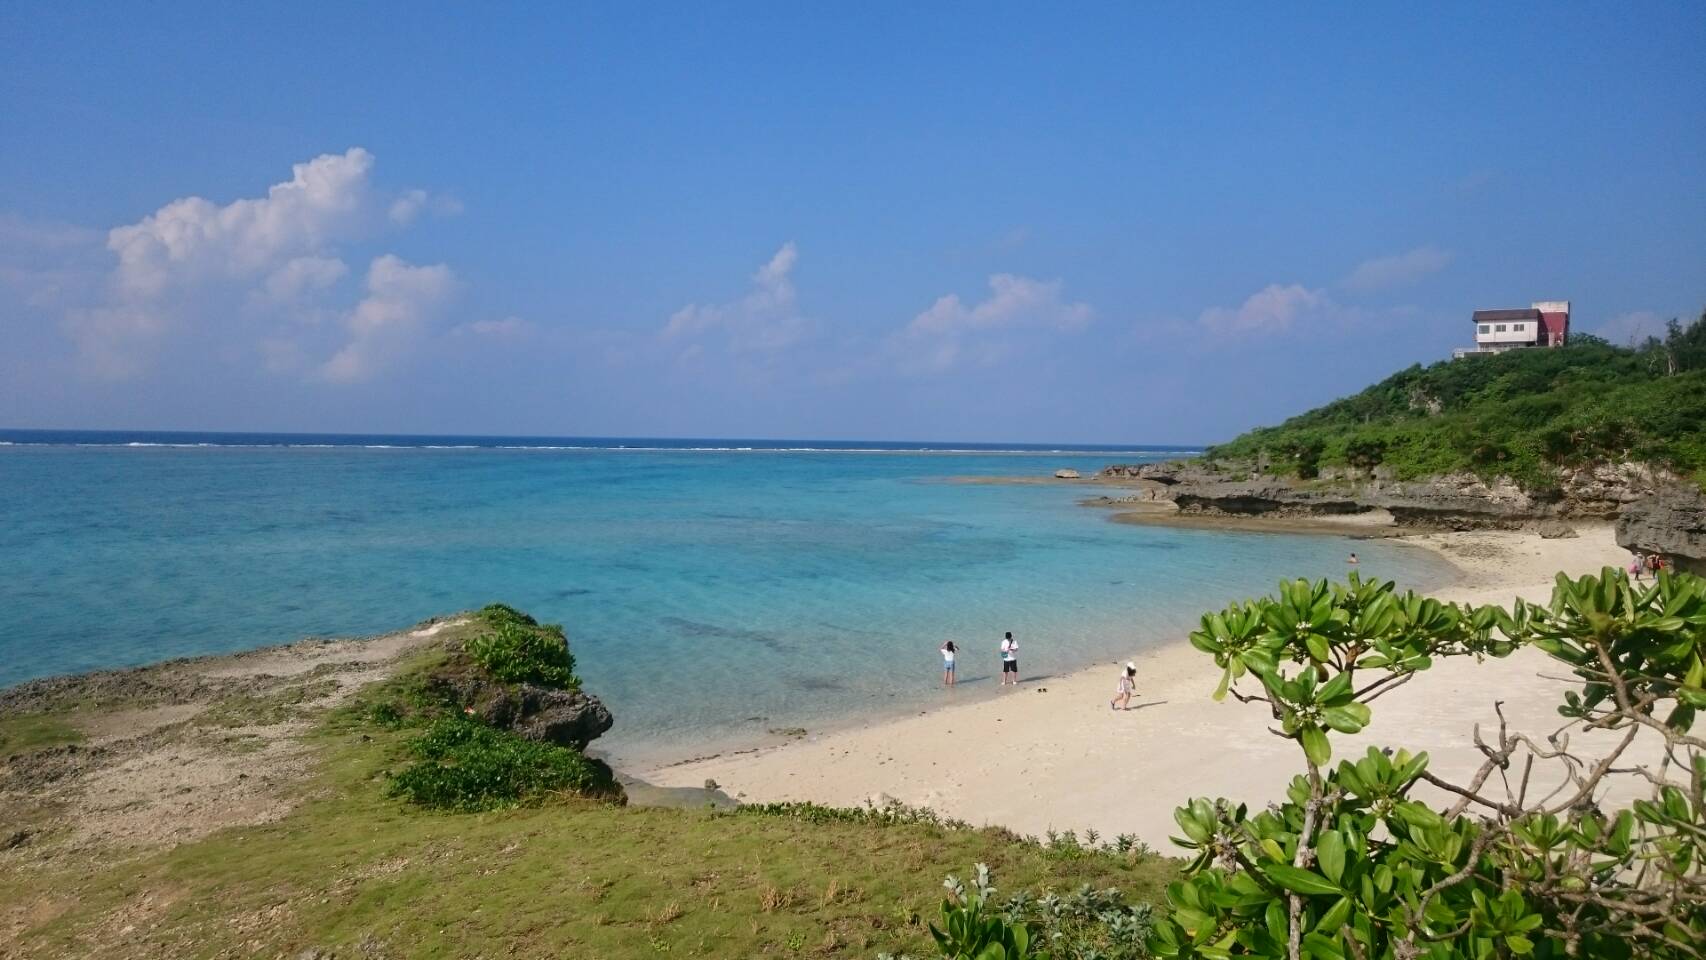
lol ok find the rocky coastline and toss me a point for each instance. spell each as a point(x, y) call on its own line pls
point(1655, 512)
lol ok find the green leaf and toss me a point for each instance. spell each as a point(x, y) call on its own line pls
point(1330, 850)
point(1317, 645)
point(1225, 682)
point(1350, 718)
point(1335, 917)
point(1299, 880)
point(1315, 745)
point(1322, 948)
point(1334, 689)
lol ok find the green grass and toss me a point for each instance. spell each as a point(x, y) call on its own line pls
point(35, 731)
point(354, 872)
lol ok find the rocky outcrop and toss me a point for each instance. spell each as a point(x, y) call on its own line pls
point(1671, 522)
point(1603, 490)
point(1452, 501)
point(1167, 472)
point(1066, 474)
point(569, 718)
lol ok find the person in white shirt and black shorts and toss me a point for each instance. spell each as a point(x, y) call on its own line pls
point(1009, 660)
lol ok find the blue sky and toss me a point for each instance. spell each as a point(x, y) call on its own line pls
point(1122, 223)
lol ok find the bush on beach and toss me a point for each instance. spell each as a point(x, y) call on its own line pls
point(1351, 867)
point(459, 761)
point(465, 766)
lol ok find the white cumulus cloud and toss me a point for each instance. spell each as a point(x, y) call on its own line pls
point(196, 239)
point(303, 275)
point(401, 298)
point(261, 277)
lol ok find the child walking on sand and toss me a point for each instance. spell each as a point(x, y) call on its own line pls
point(1009, 660)
point(1127, 686)
point(948, 651)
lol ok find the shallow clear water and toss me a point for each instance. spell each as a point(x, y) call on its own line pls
point(708, 595)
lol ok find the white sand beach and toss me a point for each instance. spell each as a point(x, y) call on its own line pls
point(1035, 761)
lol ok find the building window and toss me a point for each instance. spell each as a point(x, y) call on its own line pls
point(1486, 328)
point(1521, 327)
point(1499, 329)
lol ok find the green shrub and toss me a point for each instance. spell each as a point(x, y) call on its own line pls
point(1088, 924)
point(499, 614)
point(515, 652)
point(463, 765)
point(1352, 867)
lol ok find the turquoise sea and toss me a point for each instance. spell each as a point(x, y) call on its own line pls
point(712, 590)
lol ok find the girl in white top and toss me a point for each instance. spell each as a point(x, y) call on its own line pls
point(948, 651)
point(1128, 684)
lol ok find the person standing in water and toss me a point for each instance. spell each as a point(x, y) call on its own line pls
point(1127, 686)
point(1009, 660)
point(948, 651)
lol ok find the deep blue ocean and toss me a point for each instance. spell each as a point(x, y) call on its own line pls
point(711, 589)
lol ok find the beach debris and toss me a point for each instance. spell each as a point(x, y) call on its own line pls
point(712, 784)
point(792, 732)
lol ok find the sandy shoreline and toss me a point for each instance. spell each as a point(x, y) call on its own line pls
point(1051, 755)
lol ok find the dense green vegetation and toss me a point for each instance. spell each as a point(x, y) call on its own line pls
point(1523, 414)
point(459, 762)
point(1353, 866)
point(462, 764)
point(519, 649)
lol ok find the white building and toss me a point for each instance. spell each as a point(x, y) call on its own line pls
point(1545, 324)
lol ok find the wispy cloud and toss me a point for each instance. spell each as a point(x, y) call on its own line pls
point(1384, 273)
point(951, 331)
point(507, 328)
point(1275, 308)
point(766, 320)
point(412, 203)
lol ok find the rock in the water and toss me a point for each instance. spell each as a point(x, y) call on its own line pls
point(1555, 530)
point(1066, 474)
point(1671, 522)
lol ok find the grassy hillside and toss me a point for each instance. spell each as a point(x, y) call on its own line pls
point(1522, 414)
point(354, 871)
